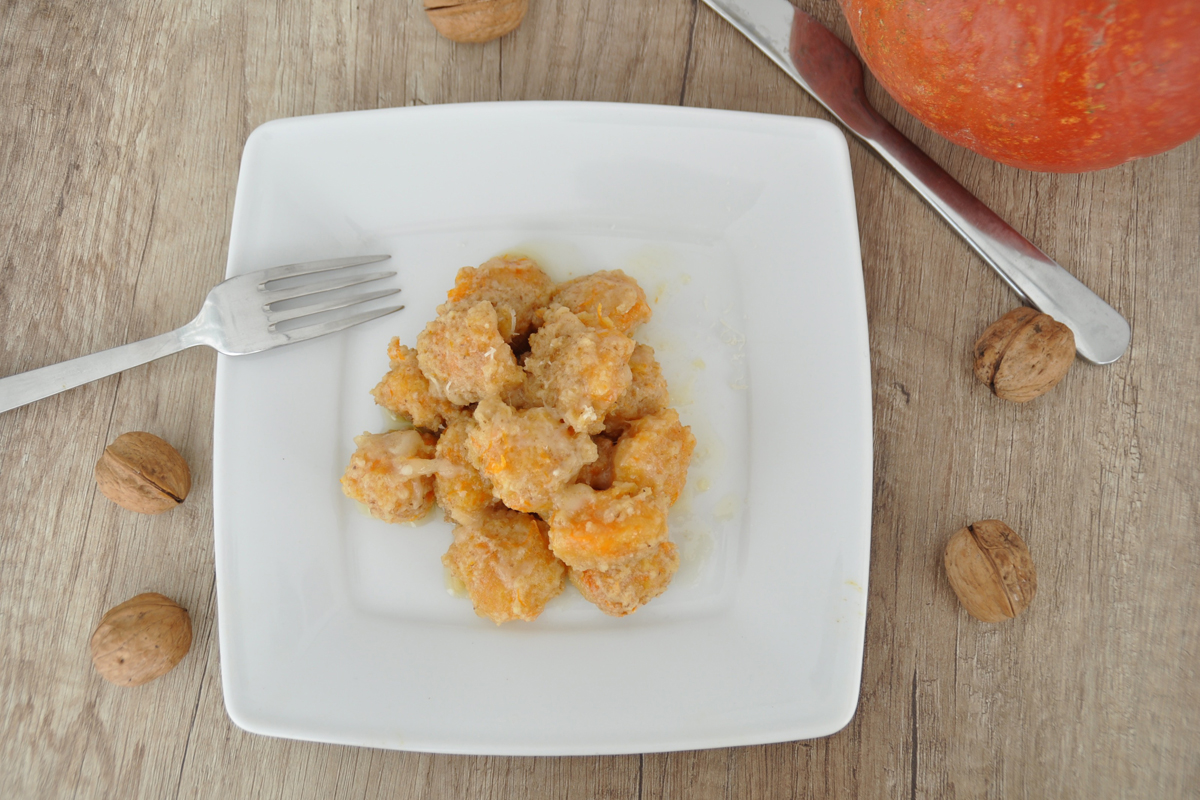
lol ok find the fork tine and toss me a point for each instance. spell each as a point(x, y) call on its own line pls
point(304, 290)
point(275, 317)
point(310, 267)
point(313, 331)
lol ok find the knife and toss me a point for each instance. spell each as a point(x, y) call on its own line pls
point(830, 72)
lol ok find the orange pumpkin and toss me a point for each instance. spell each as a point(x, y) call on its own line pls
point(1047, 85)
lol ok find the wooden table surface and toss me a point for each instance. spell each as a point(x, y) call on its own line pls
point(121, 129)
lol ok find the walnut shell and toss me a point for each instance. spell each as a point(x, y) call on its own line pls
point(991, 570)
point(1024, 354)
point(141, 639)
point(475, 21)
point(142, 473)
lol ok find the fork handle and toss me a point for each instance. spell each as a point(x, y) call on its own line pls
point(1101, 333)
point(17, 390)
point(830, 72)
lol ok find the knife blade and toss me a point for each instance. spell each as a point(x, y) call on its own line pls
point(829, 71)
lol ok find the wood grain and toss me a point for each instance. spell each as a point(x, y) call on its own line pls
point(121, 128)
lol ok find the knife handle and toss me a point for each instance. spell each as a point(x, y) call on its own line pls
point(832, 74)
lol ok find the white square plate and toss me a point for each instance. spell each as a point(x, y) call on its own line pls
point(741, 228)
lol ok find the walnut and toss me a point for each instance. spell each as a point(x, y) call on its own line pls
point(1024, 354)
point(991, 570)
point(141, 639)
point(475, 21)
point(142, 473)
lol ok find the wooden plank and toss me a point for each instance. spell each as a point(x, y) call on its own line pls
point(121, 127)
point(582, 50)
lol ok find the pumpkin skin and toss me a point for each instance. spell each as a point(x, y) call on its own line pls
point(1046, 85)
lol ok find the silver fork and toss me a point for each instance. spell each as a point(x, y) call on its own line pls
point(238, 317)
point(828, 70)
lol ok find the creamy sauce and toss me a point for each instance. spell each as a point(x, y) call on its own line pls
point(727, 509)
point(454, 586)
point(559, 260)
point(423, 521)
point(416, 523)
point(392, 422)
point(695, 544)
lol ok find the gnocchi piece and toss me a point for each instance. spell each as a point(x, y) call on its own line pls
point(392, 474)
point(606, 299)
point(464, 356)
point(514, 285)
point(602, 530)
point(647, 393)
point(622, 590)
point(503, 559)
point(527, 455)
point(654, 453)
point(405, 391)
point(461, 490)
point(576, 370)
